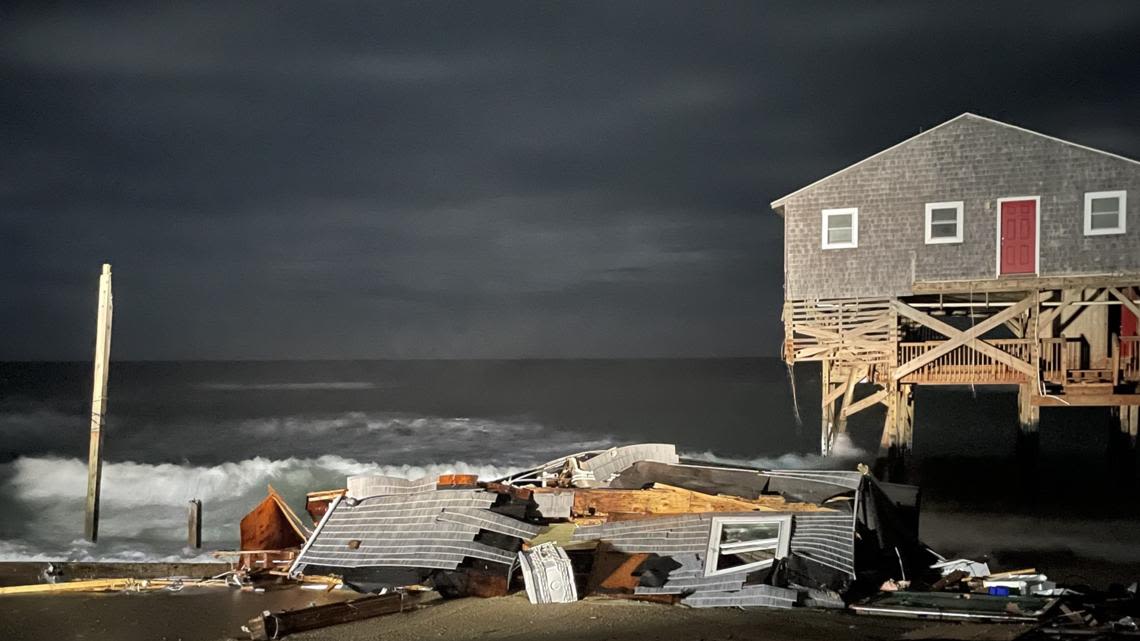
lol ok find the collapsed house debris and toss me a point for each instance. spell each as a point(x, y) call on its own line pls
point(633, 522)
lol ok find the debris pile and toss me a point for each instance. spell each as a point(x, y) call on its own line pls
point(632, 522)
point(629, 522)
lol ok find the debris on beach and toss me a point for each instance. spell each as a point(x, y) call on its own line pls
point(628, 522)
point(274, 625)
point(632, 522)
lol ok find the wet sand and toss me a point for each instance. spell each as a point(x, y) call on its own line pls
point(216, 614)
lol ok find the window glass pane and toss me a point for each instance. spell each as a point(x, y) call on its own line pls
point(839, 235)
point(739, 532)
point(726, 561)
point(942, 230)
point(1105, 205)
point(839, 221)
point(944, 216)
point(1104, 221)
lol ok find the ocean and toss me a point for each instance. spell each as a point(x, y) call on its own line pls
point(222, 432)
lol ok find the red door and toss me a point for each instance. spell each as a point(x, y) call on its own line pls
point(1019, 237)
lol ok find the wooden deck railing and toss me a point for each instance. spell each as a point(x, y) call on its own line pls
point(1130, 358)
point(964, 365)
point(1058, 357)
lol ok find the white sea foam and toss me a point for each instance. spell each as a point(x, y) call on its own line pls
point(842, 451)
point(143, 506)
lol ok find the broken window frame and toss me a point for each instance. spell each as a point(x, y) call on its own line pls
point(779, 545)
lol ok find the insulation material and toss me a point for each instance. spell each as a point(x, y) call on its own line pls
point(548, 575)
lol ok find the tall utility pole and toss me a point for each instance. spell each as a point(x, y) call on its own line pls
point(99, 404)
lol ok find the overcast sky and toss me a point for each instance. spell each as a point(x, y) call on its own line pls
point(479, 179)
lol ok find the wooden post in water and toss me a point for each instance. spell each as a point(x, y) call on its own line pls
point(99, 404)
point(194, 523)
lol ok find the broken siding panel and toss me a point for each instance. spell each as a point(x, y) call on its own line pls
point(424, 549)
point(753, 595)
point(825, 539)
point(611, 462)
point(375, 485)
point(431, 529)
point(491, 521)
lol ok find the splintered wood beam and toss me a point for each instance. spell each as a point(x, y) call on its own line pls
point(863, 404)
point(269, 625)
point(970, 338)
point(1124, 300)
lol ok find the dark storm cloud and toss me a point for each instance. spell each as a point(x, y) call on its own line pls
point(450, 180)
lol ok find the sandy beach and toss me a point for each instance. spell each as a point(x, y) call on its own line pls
point(216, 614)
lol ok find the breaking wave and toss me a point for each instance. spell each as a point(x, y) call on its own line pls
point(143, 506)
point(843, 451)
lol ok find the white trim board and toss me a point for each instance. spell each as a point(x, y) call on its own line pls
point(997, 238)
point(1121, 213)
point(779, 201)
point(843, 211)
point(957, 205)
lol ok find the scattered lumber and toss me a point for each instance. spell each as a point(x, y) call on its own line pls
point(110, 585)
point(274, 625)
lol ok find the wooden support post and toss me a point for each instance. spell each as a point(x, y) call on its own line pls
point(1122, 444)
point(827, 412)
point(853, 377)
point(1028, 442)
point(98, 404)
point(890, 437)
point(194, 523)
point(1129, 421)
point(1028, 414)
point(905, 418)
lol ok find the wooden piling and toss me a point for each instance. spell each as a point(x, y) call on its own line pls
point(98, 404)
point(194, 523)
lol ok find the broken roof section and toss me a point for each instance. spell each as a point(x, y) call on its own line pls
point(635, 519)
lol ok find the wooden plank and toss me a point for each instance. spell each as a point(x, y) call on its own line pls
point(278, 624)
point(1021, 284)
point(108, 585)
point(1124, 300)
point(833, 395)
point(970, 338)
point(1086, 400)
point(98, 404)
point(853, 377)
point(863, 404)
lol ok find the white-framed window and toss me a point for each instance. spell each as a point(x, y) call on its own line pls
point(944, 222)
point(746, 543)
point(841, 228)
point(1104, 212)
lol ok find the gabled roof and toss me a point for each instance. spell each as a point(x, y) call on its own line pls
point(779, 202)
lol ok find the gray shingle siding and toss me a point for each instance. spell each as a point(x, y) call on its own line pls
point(973, 160)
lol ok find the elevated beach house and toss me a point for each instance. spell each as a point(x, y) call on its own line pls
point(975, 252)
